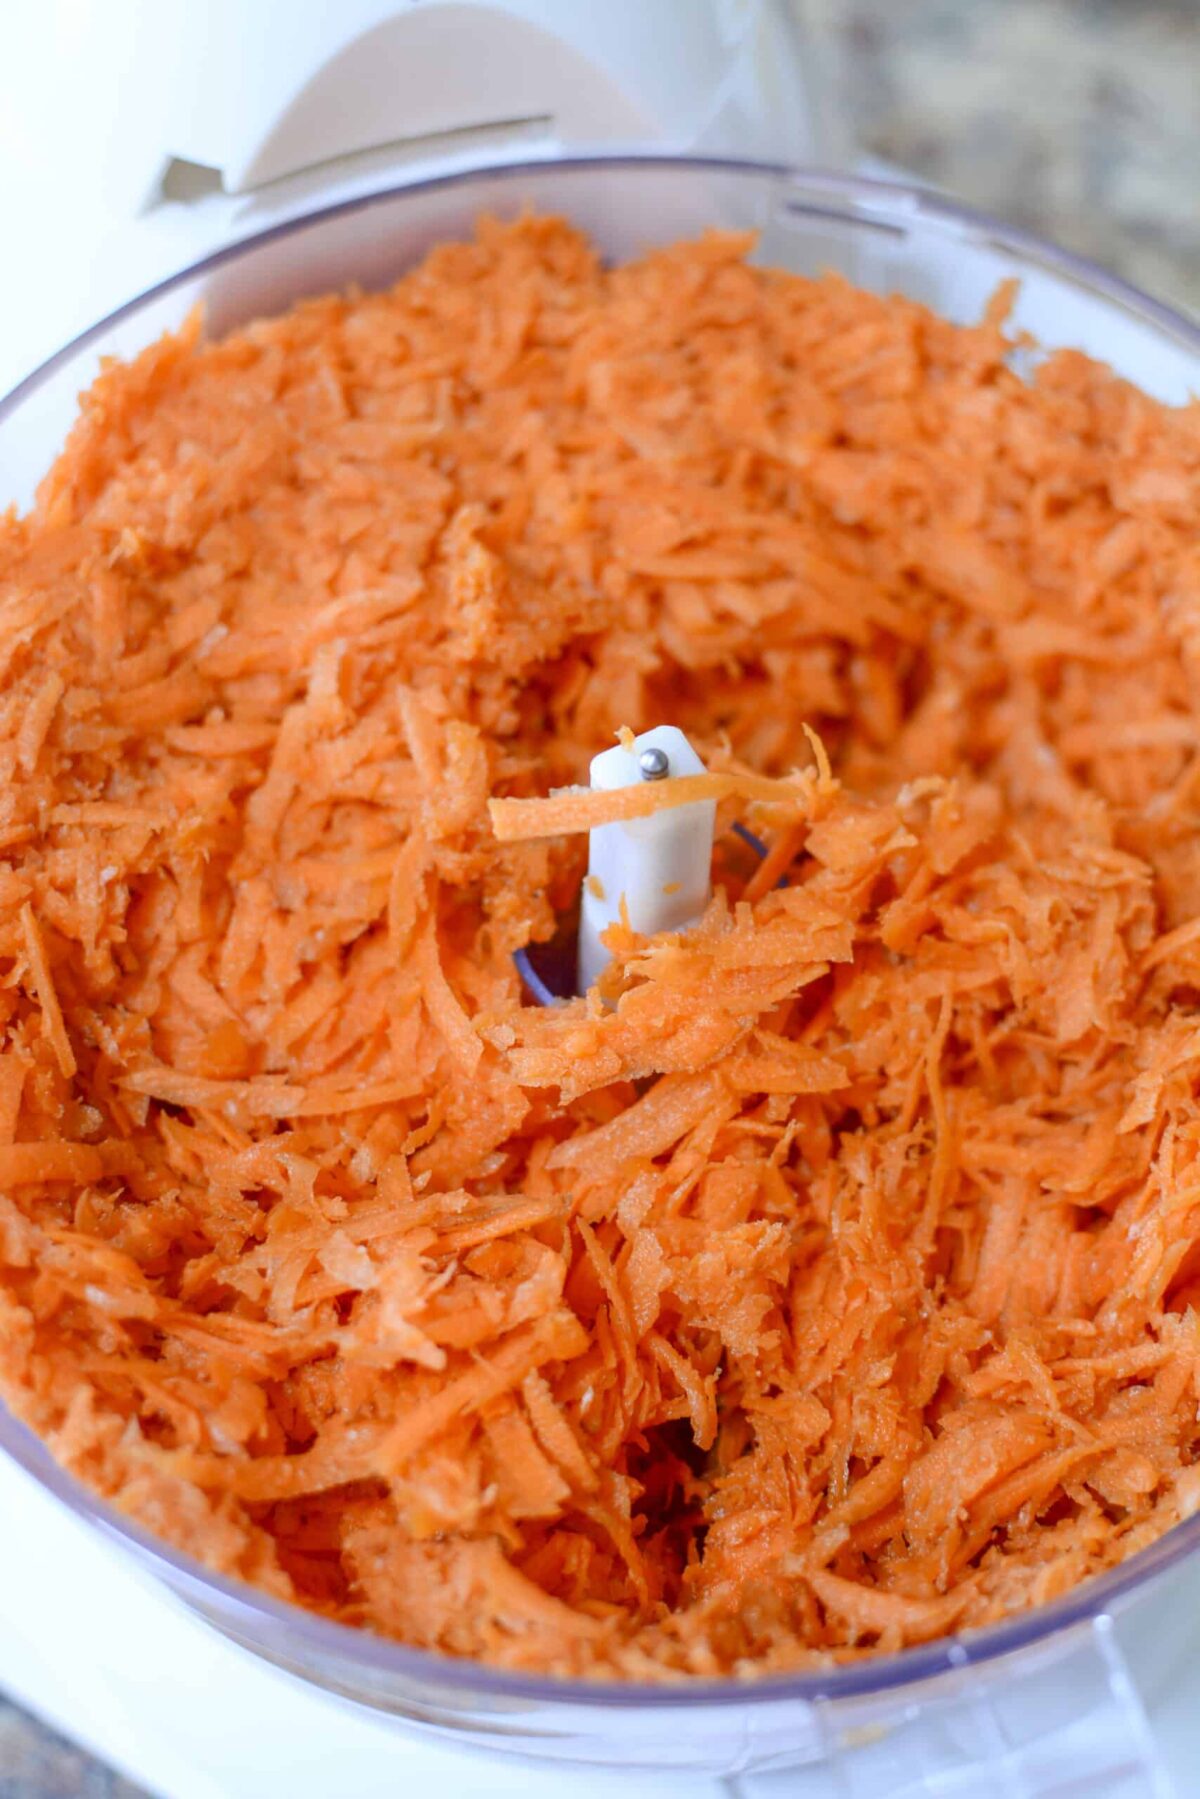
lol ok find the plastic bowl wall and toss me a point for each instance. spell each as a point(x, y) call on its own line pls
point(996, 1691)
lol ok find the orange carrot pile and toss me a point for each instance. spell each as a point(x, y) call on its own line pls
point(834, 1286)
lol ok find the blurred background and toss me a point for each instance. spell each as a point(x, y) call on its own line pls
point(1079, 119)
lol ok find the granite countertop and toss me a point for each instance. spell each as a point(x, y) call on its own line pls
point(37, 1764)
point(1077, 118)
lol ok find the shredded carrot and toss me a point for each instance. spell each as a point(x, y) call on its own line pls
point(53, 1028)
point(582, 808)
point(828, 1281)
point(37, 721)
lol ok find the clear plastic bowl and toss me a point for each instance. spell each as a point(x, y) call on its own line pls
point(1035, 1694)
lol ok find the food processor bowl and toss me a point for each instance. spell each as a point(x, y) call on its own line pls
point(1045, 1697)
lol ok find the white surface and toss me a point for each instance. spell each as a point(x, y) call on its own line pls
point(660, 867)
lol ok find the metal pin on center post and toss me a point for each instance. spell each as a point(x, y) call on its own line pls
point(654, 764)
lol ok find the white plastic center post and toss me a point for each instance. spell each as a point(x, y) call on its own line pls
point(660, 866)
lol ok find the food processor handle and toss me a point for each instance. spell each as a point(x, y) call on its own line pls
point(1058, 1720)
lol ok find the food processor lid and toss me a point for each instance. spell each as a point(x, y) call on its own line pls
point(231, 99)
point(143, 143)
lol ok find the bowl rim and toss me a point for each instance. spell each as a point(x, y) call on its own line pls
point(233, 1605)
point(917, 202)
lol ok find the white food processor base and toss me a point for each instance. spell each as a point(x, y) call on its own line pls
point(106, 1656)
